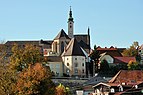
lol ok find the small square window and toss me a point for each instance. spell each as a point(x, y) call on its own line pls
point(75, 58)
point(67, 59)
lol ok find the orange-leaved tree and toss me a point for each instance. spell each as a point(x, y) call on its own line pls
point(35, 80)
point(133, 65)
point(62, 90)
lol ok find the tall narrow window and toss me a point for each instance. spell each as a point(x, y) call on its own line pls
point(76, 64)
point(67, 64)
point(76, 71)
point(62, 46)
point(67, 71)
point(83, 71)
point(83, 64)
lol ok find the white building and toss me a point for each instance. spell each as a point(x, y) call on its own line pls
point(74, 60)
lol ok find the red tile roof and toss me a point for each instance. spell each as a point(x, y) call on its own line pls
point(123, 59)
point(111, 51)
point(129, 77)
point(106, 49)
point(118, 93)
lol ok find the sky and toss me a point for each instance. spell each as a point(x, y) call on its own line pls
point(112, 22)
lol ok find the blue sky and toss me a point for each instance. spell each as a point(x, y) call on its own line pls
point(112, 22)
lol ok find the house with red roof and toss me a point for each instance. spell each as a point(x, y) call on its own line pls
point(113, 56)
point(112, 51)
point(125, 81)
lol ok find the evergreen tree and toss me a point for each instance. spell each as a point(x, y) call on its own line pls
point(95, 56)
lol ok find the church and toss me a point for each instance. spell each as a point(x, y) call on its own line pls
point(67, 54)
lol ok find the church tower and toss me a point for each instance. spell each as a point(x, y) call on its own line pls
point(70, 24)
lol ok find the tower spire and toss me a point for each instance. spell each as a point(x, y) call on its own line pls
point(88, 38)
point(70, 15)
point(88, 31)
point(70, 24)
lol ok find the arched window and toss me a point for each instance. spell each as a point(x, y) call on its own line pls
point(83, 64)
point(62, 46)
point(54, 46)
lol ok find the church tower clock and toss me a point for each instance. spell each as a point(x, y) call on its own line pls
point(70, 24)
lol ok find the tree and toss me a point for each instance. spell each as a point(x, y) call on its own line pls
point(132, 51)
point(35, 80)
point(104, 66)
point(7, 81)
point(114, 69)
point(132, 65)
point(22, 57)
point(95, 56)
point(7, 77)
point(62, 90)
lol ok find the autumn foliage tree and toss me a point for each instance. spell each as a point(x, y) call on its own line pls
point(132, 51)
point(33, 76)
point(35, 80)
point(62, 90)
point(22, 57)
point(7, 77)
point(133, 65)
